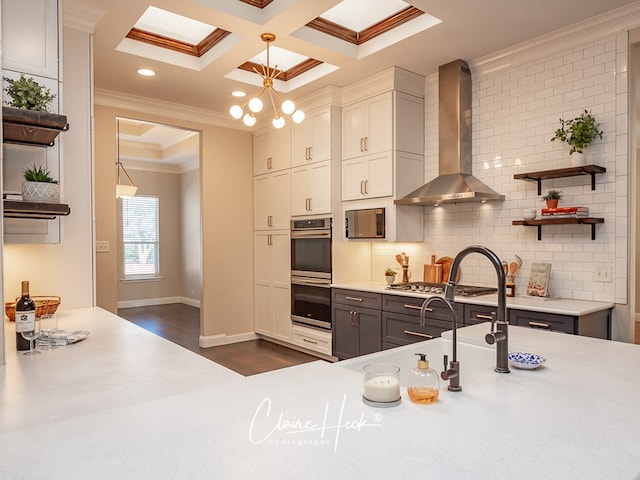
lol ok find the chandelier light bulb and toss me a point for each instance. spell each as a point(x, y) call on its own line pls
point(249, 120)
point(298, 116)
point(288, 107)
point(236, 111)
point(255, 105)
point(278, 122)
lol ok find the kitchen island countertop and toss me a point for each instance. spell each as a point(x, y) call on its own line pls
point(125, 403)
point(555, 305)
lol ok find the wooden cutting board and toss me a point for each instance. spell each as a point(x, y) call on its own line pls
point(446, 269)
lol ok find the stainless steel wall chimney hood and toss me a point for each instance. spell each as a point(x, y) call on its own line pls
point(455, 183)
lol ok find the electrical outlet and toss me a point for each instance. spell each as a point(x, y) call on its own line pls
point(602, 273)
point(103, 247)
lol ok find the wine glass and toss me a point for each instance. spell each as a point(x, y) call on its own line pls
point(31, 336)
point(48, 326)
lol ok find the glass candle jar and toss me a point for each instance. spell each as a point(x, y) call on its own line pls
point(381, 383)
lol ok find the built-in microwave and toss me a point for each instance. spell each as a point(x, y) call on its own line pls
point(365, 223)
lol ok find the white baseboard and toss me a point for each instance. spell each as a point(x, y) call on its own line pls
point(147, 302)
point(206, 341)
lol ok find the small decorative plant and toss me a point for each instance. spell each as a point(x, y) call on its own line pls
point(578, 132)
point(38, 174)
point(390, 275)
point(553, 195)
point(28, 94)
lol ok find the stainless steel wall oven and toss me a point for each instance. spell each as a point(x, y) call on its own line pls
point(311, 272)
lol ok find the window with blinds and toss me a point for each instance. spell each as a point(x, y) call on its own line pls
point(140, 237)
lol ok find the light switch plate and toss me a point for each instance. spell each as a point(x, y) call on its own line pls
point(602, 273)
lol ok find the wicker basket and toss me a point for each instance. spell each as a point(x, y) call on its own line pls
point(44, 305)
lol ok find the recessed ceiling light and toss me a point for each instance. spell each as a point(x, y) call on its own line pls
point(238, 93)
point(146, 72)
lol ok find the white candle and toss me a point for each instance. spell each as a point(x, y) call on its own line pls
point(385, 388)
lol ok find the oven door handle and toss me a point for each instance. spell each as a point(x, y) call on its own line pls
point(311, 282)
point(310, 234)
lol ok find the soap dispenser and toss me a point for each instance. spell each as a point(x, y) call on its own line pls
point(423, 384)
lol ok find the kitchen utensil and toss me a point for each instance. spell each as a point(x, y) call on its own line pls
point(518, 261)
point(429, 271)
point(446, 268)
point(513, 268)
point(399, 259)
point(505, 268)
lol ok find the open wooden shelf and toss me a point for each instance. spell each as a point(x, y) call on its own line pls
point(539, 222)
point(591, 170)
point(28, 127)
point(39, 210)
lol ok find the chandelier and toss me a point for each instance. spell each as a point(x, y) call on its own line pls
point(255, 104)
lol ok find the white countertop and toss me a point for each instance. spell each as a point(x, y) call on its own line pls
point(556, 305)
point(127, 404)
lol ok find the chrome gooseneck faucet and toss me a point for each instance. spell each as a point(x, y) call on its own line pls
point(499, 326)
point(452, 371)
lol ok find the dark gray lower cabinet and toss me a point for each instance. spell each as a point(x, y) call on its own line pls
point(356, 323)
point(401, 320)
point(596, 324)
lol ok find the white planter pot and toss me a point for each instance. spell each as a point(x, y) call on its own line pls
point(578, 159)
point(41, 192)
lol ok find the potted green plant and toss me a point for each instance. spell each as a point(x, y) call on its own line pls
point(579, 133)
point(390, 275)
point(552, 198)
point(28, 106)
point(39, 185)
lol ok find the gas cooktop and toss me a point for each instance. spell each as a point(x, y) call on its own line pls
point(438, 289)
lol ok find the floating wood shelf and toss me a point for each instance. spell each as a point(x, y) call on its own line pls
point(28, 127)
point(591, 170)
point(39, 210)
point(561, 221)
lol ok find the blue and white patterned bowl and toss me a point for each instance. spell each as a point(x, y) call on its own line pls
point(526, 360)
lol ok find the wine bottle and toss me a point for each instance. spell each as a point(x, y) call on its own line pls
point(25, 317)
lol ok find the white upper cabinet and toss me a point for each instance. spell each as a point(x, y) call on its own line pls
point(311, 189)
point(367, 126)
point(272, 201)
point(30, 37)
point(312, 138)
point(271, 150)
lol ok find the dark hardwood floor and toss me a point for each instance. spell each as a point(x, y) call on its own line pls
point(180, 324)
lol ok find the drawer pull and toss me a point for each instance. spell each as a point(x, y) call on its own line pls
point(484, 317)
point(539, 325)
point(415, 307)
point(309, 341)
point(355, 299)
point(418, 334)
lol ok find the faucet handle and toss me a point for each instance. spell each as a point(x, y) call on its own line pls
point(446, 361)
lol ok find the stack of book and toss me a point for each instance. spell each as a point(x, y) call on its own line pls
point(565, 212)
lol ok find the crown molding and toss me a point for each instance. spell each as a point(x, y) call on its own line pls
point(109, 98)
point(82, 16)
point(610, 23)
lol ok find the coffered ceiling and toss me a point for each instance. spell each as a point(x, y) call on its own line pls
point(337, 41)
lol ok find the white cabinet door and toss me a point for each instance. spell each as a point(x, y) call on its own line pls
point(354, 174)
point(367, 126)
point(30, 37)
point(272, 289)
point(272, 201)
point(367, 177)
point(379, 124)
point(311, 189)
point(271, 150)
point(380, 175)
point(312, 138)
point(354, 129)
